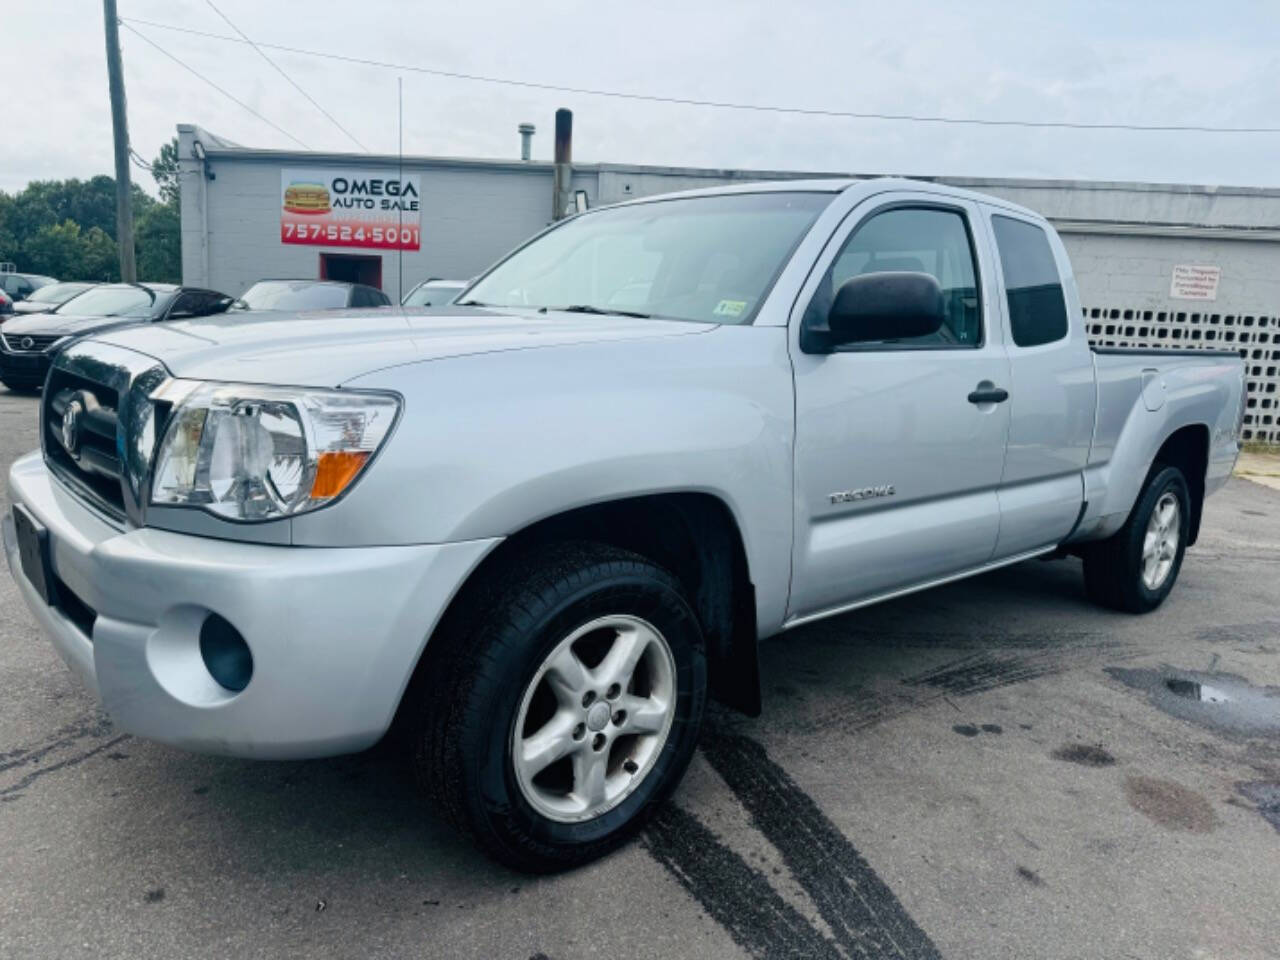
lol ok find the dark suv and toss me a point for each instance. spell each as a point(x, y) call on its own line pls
point(27, 343)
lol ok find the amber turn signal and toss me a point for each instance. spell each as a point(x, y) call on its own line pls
point(335, 471)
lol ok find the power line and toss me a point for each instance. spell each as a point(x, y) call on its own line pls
point(276, 67)
point(147, 40)
point(721, 104)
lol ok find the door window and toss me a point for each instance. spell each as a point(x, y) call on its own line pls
point(920, 240)
point(187, 305)
point(198, 303)
point(1037, 309)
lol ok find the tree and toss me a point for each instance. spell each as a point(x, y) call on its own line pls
point(98, 258)
point(64, 250)
point(158, 237)
point(164, 168)
point(67, 228)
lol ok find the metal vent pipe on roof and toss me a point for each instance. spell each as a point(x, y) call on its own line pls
point(562, 188)
point(527, 130)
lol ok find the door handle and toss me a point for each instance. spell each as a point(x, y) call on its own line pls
point(989, 395)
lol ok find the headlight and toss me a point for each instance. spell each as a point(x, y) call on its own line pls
point(248, 452)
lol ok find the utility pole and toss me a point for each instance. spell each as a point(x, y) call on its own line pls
point(120, 133)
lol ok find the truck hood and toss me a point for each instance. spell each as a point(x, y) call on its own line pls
point(328, 348)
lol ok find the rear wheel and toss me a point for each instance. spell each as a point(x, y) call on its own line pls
point(560, 704)
point(1136, 568)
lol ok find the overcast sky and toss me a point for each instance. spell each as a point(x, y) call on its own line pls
point(1169, 63)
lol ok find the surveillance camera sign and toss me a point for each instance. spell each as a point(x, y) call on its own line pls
point(1194, 282)
point(341, 207)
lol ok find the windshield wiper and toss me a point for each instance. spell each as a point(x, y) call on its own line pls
point(588, 308)
point(472, 303)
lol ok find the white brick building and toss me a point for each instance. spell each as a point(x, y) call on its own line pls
point(1125, 239)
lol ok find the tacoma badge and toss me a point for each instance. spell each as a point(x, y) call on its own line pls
point(863, 493)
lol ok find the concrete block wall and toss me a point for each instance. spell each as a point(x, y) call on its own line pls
point(1124, 289)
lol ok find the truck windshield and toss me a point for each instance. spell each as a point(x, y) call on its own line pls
point(708, 259)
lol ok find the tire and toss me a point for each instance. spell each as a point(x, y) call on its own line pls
point(487, 675)
point(1117, 573)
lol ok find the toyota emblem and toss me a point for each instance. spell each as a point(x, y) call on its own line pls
point(27, 343)
point(71, 426)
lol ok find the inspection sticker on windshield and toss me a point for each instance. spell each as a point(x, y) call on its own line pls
point(730, 308)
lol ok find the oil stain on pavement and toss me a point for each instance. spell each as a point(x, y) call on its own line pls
point(1085, 754)
point(864, 917)
point(1170, 804)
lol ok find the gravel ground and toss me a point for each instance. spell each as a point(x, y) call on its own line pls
point(991, 769)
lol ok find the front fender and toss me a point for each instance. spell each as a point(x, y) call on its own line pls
point(499, 441)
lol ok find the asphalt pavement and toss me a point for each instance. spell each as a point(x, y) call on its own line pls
point(993, 769)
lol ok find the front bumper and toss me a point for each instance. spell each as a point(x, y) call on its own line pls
point(334, 632)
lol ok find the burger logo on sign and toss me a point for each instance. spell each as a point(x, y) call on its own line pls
point(306, 198)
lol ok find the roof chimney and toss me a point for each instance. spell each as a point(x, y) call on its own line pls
point(564, 164)
point(527, 130)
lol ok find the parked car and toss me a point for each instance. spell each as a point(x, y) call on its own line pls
point(299, 295)
point(541, 531)
point(51, 295)
point(433, 293)
point(19, 286)
point(28, 343)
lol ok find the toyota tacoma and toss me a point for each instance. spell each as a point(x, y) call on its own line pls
point(536, 530)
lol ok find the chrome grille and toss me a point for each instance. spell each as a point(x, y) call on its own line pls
point(81, 424)
point(95, 400)
point(29, 342)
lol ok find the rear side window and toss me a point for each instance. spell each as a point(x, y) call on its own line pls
point(1037, 308)
point(187, 305)
point(368, 297)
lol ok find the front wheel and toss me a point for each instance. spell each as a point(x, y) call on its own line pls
point(562, 704)
point(1136, 568)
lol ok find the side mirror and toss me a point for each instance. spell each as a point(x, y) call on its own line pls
point(885, 306)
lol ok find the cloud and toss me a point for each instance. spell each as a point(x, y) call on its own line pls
point(1084, 62)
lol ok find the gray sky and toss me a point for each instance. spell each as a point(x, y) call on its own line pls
point(1170, 63)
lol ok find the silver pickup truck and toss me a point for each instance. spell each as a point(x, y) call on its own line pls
point(538, 529)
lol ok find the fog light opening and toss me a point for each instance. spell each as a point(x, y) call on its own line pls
point(226, 656)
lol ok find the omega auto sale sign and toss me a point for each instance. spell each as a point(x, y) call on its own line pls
point(325, 207)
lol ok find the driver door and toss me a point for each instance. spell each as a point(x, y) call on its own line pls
point(896, 469)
